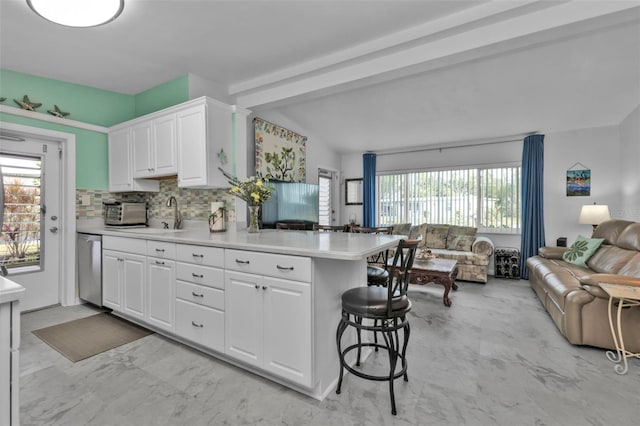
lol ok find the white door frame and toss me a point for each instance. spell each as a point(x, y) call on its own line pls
point(67, 275)
point(335, 192)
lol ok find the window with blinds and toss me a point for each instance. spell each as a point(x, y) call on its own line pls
point(324, 200)
point(20, 243)
point(488, 199)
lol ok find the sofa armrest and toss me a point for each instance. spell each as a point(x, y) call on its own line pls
point(596, 279)
point(482, 245)
point(552, 252)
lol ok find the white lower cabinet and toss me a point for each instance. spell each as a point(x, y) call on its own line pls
point(200, 324)
point(161, 292)
point(268, 324)
point(123, 278)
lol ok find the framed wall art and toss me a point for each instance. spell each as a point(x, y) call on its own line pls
point(578, 181)
point(280, 153)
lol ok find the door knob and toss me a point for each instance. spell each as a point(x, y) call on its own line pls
point(54, 229)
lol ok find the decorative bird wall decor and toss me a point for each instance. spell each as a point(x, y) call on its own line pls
point(2, 99)
point(27, 104)
point(57, 112)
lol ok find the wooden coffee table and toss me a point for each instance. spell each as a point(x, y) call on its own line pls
point(439, 271)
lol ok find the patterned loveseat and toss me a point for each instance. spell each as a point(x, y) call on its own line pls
point(454, 242)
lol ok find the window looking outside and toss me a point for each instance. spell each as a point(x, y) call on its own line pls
point(20, 242)
point(488, 199)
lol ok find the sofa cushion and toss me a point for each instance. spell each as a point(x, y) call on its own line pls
point(581, 250)
point(610, 259)
point(418, 232)
point(437, 236)
point(461, 238)
point(630, 238)
point(402, 229)
point(610, 230)
point(632, 267)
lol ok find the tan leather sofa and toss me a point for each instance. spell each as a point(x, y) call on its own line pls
point(572, 296)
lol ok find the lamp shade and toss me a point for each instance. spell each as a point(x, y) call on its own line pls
point(77, 13)
point(593, 214)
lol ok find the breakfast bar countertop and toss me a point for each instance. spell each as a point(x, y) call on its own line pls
point(327, 245)
point(10, 291)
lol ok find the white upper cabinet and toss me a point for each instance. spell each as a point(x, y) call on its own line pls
point(204, 144)
point(191, 140)
point(154, 147)
point(121, 164)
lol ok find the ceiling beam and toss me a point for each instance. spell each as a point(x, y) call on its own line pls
point(492, 29)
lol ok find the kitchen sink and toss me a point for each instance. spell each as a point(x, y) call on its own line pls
point(148, 230)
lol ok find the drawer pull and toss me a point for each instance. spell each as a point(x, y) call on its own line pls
point(257, 286)
point(285, 268)
point(194, 294)
point(160, 250)
point(195, 324)
point(242, 262)
point(197, 276)
point(264, 287)
point(197, 255)
point(159, 263)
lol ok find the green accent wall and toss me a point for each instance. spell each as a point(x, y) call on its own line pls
point(88, 105)
point(84, 103)
point(162, 96)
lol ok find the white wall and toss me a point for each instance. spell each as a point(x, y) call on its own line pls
point(351, 166)
point(630, 166)
point(599, 150)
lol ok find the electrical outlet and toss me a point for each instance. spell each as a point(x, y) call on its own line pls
point(85, 200)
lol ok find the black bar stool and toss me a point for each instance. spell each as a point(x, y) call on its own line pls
point(377, 273)
point(387, 307)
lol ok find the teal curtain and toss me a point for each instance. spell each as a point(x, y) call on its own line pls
point(532, 200)
point(369, 189)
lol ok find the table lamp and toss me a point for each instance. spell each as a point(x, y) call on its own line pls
point(594, 215)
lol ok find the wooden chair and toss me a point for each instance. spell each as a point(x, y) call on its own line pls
point(328, 228)
point(291, 226)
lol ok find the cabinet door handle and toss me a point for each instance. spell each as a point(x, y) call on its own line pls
point(120, 259)
point(197, 276)
point(242, 262)
point(257, 286)
point(160, 250)
point(285, 268)
point(264, 287)
point(195, 324)
point(197, 255)
point(194, 294)
point(159, 263)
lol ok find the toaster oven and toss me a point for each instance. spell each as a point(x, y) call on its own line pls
point(125, 214)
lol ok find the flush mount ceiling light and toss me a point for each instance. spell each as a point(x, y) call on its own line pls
point(78, 13)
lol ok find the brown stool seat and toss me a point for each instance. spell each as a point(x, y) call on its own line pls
point(371, 302)
point(377, 276)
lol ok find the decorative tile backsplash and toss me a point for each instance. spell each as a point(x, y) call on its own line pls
point(194, 204)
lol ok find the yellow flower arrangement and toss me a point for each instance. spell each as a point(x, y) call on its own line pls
point(254, 190)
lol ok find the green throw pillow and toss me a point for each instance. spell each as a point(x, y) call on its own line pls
point(582, 250)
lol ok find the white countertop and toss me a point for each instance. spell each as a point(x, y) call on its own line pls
point(10, 291)
point(327, 245)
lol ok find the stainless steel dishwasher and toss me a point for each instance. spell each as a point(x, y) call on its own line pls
point(90, 268)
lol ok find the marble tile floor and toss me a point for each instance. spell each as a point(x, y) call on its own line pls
point(493, 358)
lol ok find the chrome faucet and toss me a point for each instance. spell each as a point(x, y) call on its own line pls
point(177, 217)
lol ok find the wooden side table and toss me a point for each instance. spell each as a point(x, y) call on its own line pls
point(439, 271)
point(627, 296)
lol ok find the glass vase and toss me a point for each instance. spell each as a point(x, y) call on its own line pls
point(254, 225)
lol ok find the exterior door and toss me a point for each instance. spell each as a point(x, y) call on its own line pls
point(30, 240)
point(327, 202)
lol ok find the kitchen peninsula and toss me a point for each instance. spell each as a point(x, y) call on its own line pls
point(266, 302)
